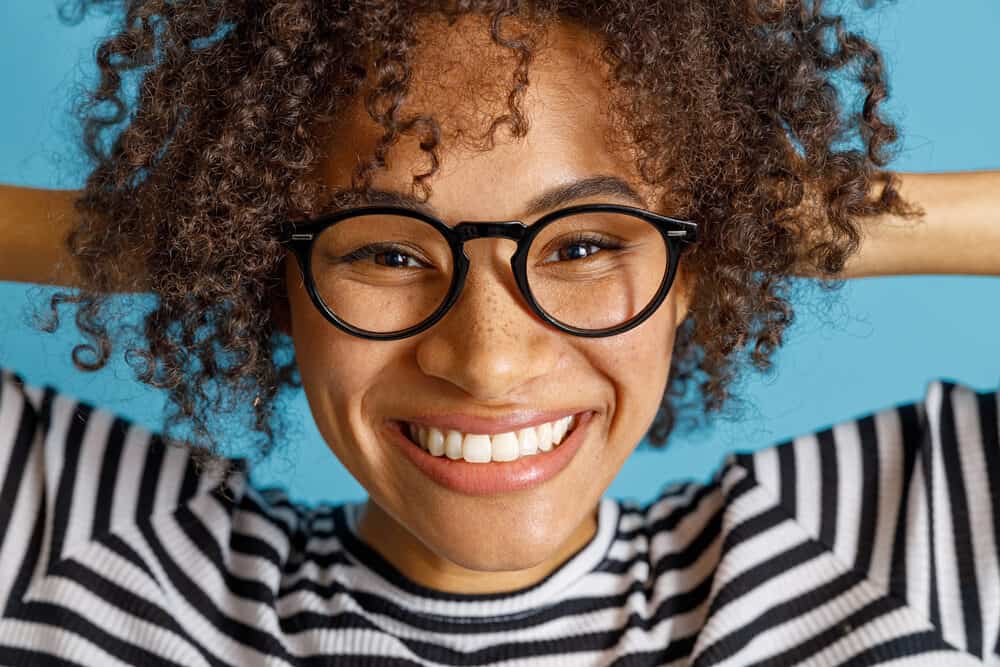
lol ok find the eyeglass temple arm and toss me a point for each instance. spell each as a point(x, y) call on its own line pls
point(688, 231)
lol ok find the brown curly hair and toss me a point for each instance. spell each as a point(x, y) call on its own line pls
point(732, 103)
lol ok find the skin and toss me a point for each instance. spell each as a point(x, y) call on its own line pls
point(490, 354)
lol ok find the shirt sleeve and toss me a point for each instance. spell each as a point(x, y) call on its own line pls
point(71, 473)
point(908, 496)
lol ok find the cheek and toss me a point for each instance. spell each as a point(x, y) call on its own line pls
point(643, 352)
point(341, 374)
point(335, 366)
point(638, 364)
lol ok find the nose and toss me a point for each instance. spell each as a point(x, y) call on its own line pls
point(490, 344)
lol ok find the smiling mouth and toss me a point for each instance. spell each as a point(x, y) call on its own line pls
point(499, 447)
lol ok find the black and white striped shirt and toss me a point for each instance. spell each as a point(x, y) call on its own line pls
point(872, 540)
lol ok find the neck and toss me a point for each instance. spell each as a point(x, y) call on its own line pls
point(419, 564)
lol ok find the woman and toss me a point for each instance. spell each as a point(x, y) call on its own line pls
point(486, 404)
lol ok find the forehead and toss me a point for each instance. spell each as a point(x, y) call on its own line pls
point(462, 79)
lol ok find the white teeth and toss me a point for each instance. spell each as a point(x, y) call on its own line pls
point(435, 442)
point(558, 431)
point(545, 437)
point(453, 445)
point(527, 438)
point(505, 447)
point(477, 448)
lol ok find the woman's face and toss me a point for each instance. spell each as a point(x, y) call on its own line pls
point(490, 356)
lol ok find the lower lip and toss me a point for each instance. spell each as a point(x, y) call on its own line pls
point(480, 479)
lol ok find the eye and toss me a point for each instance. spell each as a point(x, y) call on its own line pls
point(582, 246)
point(386, 255)
point(579, 250)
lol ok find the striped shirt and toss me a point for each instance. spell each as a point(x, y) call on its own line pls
point(869, 541)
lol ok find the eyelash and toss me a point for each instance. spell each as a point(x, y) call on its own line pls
point(581, 238)
point(369, 251)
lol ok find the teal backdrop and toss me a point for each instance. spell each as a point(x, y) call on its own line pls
point(878, 342)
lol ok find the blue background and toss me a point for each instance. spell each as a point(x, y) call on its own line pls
point(884, 340)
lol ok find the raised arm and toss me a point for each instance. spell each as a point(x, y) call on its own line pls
point(33, 227)
point(959, 232)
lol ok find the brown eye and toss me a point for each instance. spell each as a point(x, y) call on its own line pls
point(388, 256)
point(582, 247)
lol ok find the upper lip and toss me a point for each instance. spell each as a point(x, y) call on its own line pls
point(511, 421)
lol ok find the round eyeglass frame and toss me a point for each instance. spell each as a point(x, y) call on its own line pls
point(677, 234)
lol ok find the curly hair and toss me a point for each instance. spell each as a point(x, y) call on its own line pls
point(732, 104)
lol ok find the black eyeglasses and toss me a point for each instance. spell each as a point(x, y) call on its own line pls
point(592, 270)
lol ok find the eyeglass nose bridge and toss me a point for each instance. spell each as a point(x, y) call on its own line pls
point(467, 230)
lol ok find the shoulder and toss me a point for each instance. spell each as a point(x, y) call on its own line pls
point(114, 545)
point(894, 511)
point(73, 474)
point(846, 473)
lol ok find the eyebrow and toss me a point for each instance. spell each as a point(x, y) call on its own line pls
point(591, 186)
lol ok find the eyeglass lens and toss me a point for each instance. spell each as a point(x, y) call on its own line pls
point(386, 273)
